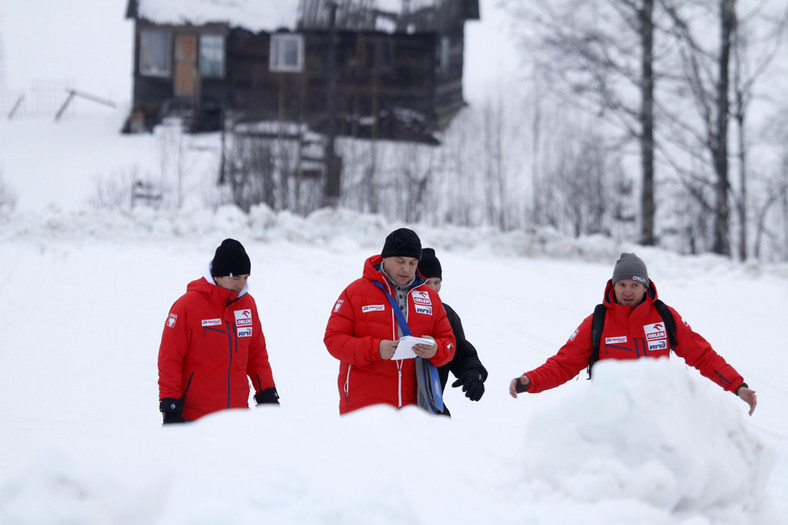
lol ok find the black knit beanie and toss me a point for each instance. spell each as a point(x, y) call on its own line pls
point(230, 259)
point(630, 266)
point(402, 243)
point(429, 265)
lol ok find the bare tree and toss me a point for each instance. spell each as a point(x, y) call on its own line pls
point(720, 78)
point(749, 68)
point(251, 172)
point(594, 62)
point(707, 76)
point(7, 196)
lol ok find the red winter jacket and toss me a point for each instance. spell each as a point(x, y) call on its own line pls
point(361, 318)
point(211, 341)
point(632, 333)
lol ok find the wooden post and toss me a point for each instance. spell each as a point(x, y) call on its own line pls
point(65, 105)
point(17, 104)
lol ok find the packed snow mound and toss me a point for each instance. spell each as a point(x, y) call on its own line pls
point(654, 431)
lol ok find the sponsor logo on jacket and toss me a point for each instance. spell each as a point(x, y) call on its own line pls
point(243, 317)
point(373, 308)
point(655, 331)
point(424, 309)
point(658, 345)
point(657, 336)
point(615, 340)
point(421, 298)
point(171, 320)
point(245, 332)
point(211, 322)
point(338, 306)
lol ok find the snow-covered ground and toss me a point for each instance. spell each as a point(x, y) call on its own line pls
point(86, 293)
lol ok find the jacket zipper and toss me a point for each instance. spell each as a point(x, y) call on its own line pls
point(397, 334)
point(230, 365)
point(347, 382)
point(399, 382)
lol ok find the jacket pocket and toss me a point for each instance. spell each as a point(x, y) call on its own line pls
point(346, 387)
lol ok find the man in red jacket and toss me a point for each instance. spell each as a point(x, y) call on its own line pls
point(633, 328)
point(213, 340)
point(363, 332)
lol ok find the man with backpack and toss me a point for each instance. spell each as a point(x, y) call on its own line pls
point(632, 323)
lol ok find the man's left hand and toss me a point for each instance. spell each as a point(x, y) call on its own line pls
point(426, 351)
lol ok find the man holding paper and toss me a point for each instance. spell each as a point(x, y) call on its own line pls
point(363, 332)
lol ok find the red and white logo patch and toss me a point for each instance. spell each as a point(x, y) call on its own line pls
point(421, 298)
point(171, 320)
point(243, 317)
point(655, 331)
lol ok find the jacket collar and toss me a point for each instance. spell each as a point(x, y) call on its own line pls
point(373, 270)
point(610, 296)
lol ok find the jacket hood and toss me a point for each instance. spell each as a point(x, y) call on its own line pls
point(206, 286)
point(206, 274)
point(609, 299)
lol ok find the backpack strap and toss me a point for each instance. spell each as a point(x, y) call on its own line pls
point(597, 324)
point(670, 323)
point(403, 324)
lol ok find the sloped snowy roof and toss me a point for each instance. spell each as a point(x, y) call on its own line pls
point(255, 15)
point(271, 15)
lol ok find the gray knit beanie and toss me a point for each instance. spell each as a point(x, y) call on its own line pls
point(630, 266)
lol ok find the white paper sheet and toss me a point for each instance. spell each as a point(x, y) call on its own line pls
point(406, 344)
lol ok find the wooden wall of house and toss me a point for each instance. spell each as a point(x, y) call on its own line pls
point(151, 93)
point(414, 81)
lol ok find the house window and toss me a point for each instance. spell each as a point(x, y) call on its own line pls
point(155, 53)
point(287, 53)
point(212, 56)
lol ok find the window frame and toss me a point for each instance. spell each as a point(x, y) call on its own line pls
point(206, 37)
point(278, 61)
point(163, 48)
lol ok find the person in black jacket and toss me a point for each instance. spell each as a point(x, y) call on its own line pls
point(465, 366)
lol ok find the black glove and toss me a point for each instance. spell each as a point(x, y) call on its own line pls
point(269, 395)
point(171, 409)
point(472, 384)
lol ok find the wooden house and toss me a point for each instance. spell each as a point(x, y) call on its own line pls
point(387, 69)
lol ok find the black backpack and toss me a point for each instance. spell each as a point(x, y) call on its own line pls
point(599, 322)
